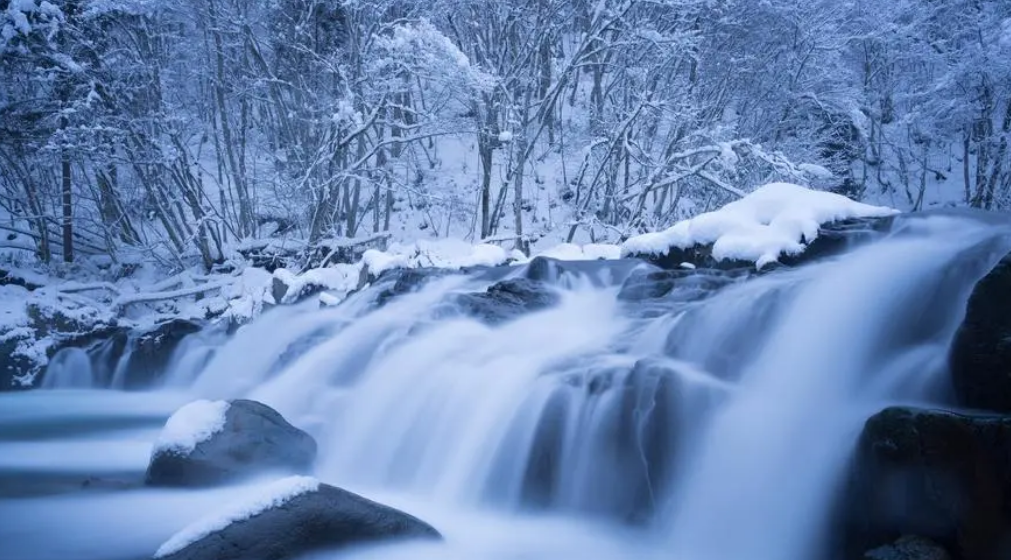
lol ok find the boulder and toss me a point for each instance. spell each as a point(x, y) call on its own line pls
point(938, 474)
point(507, 300)
point(207, 443)
point(980, 358)
point(294, 516)
point(909, 548)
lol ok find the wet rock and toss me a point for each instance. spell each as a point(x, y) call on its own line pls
point(254, 439)
point(941, 475)
point(324, 518)
point(833, 239)
point(909, 548)
point(152, 351)
point(980, 358)
point(403, 281)
point(681, 285)
point(508, 300)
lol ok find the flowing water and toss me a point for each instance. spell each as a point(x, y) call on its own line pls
point(712, 428)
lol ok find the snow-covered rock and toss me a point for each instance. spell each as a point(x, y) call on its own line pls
point(775, 220)
point(339, 279)
point(289, 518)
point(273, 495)
point(192, 424)
point(210, 442)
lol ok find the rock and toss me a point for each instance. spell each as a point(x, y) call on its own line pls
point(402, 281)
point(909, 548)
point(682, 285)
point(254, 439)
point(151, 352)
point(941, 475)
point(508, 300)
point(980, 358)
point(310, 517)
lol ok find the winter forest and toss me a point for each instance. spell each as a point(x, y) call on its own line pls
point(176, 131)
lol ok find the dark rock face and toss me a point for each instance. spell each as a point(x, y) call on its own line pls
point(833, 239)
point(980, 358)
point(12, 366)
point(255, 439)
point(937, 474)
point(507, 300)
point(152, 351)
point(326, 518)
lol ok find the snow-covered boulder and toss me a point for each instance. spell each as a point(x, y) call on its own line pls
point(289, 518)
point(210, 442)
point(775, 221)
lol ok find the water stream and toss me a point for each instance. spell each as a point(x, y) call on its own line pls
point(599, 428)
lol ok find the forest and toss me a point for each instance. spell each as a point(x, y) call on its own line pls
point(174, 132)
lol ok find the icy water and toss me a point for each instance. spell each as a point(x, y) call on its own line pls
point(600, 428)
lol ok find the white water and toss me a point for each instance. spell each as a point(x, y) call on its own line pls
point(542, 437)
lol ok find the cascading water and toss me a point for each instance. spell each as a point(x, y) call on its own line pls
point(605, 426)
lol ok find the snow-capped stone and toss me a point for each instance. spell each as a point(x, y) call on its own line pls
point(190, 425)
point(775, 220)
point(288, 519)
point(212, 442)
point(272, 496)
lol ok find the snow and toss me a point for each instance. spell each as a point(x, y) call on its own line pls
point(247, 294)
point(379, 262)
point(441, 253)
point(505, 136)
point(340, 278)
point(815, 171)
point(190, 425)
point(588, 252)
point(272, 496)
point(776, 219)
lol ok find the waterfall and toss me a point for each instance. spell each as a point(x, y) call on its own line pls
point(715, 422)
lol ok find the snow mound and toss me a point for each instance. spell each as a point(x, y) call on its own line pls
point(443, 253)
point(272, 496)
point(777, 219)
point(190, 425)
point(339, 278)
point(588, 252)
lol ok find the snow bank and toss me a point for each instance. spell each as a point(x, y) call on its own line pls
point(774, 220)
point(190, 425)
point(340, 278)
point(441, 253)
point(247, 294)
point(272, 496)
point(588, 252)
